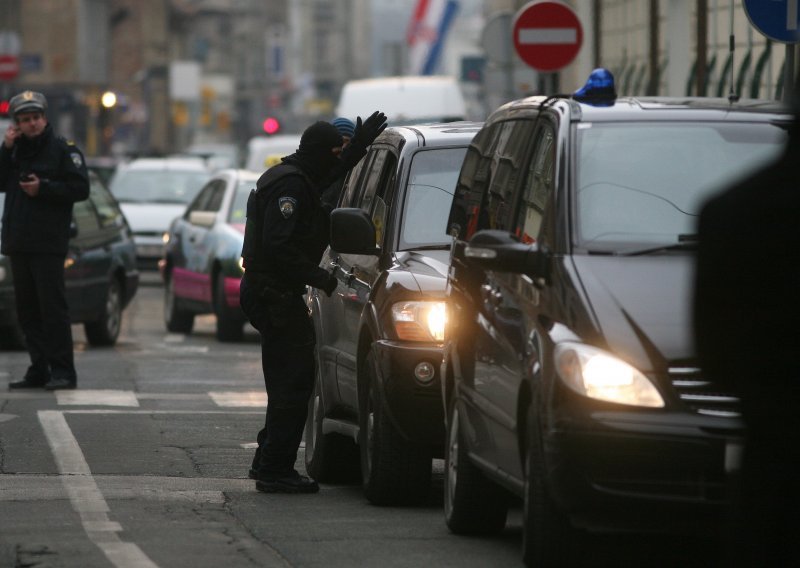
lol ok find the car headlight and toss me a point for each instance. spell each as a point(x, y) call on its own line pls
point(240, 263)
point(419, 321)
point(597, 374)
point(165, 237)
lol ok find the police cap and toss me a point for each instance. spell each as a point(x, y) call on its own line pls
point(29, 101)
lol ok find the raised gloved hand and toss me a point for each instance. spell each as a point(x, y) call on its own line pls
point(330, 285)
point(366, 132)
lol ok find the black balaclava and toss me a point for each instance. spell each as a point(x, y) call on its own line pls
point(314, 155)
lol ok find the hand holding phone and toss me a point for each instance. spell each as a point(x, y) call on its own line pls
point(11, 134)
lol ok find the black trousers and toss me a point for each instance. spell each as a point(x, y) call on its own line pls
point(287, 360)
point(43, 314)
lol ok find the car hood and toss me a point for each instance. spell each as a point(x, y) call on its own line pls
point(428, 269)
point(642, 304)
point(151, 216)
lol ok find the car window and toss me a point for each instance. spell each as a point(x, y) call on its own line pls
point(350, 192)
point(467, 214)
point(204, 198)
point(375, 179)
point(645, 182)
point(108, 212)
point(215, 201)
point(238, 212)
point(429, 197)
point(538, 185)
point(85, 217)
point(507, 163)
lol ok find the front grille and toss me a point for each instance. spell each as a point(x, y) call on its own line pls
point(701, 395)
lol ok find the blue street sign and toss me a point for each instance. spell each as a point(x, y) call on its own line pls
point(776, 19)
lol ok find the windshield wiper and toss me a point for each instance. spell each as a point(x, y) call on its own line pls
point(685, 242)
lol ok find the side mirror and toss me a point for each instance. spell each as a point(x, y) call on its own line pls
point(501, 252)
point(352, 232)
point(203, 218)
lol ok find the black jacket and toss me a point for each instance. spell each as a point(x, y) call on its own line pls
point(40, 225)
point(287, 229)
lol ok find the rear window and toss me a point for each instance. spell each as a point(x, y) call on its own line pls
point(158, 186)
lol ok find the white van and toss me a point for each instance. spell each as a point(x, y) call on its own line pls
point(263, 152)
point(404, 100)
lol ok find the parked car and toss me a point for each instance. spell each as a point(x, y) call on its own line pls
point(379, 339)
point(100, 271)
point(152, 192)
point(569, 375)
point(202, 266)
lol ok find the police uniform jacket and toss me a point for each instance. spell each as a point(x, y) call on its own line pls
point(287, 229)
point(40, 225)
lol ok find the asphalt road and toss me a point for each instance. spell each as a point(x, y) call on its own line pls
point(145, 465)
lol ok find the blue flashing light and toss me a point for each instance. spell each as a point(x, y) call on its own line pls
point(599, 89)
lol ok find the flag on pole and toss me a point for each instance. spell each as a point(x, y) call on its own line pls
point(426, 34)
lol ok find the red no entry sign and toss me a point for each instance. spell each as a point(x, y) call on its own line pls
point(547, 35)
point(9, 67)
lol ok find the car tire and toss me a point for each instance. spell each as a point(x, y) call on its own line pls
point(548, 538)
point(105, 330)
point(329, 458)
point(175, 319)
point(394, 471)
point(230, 326)
point(472, 503)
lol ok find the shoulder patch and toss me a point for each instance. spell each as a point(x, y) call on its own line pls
point(287, 206)
point(77, 159)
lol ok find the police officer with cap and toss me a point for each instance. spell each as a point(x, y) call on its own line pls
point(286, 235)
point(42, 175)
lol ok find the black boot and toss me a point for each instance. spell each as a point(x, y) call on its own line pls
point(32, 380)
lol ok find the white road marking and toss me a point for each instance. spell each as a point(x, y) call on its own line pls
point(249, 445)
point(85, 496)
point(237, 399)
point(548, 36)
point(7, 417)
point(83, 397)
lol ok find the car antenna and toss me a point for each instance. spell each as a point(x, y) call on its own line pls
point(733, 96)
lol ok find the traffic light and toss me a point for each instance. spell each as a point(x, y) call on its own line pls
point(3, 108)
point(271, 125)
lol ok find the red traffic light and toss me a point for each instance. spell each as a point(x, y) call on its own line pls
point(3, 107)
point(271, 125)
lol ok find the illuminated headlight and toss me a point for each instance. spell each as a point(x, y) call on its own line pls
point(597, 374)
point(419, 321)
point(240, 262)
point(165, 238)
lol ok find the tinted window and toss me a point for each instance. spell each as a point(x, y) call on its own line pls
point(349, 194)
point(646, 182)
point(510, 156)
point(429, 197)
point(84, 216)
point(538, 186)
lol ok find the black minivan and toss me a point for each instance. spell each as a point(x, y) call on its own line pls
point(569, 375)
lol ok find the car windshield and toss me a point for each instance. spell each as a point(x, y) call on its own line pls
point(238, 213)
point(643, 184)
point(429, 195)
point(157, 186)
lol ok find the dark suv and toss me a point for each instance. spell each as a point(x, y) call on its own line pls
point(379, 336)
point(569, 376)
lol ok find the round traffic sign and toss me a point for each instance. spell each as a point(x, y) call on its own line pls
point(547, 34)
point(779, 21)
point(9, 67)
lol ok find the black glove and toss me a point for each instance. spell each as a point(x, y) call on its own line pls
point(366, 132)
point(330, 285)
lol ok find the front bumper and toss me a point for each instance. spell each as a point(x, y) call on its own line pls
point(622, 470)
point(415, 408)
